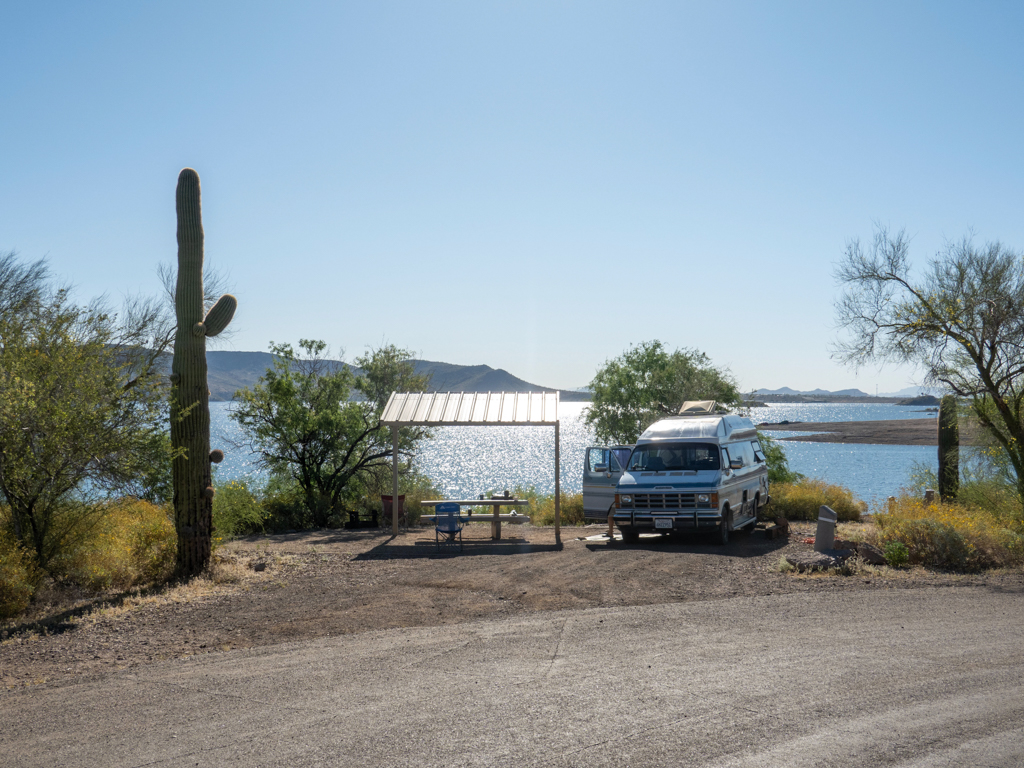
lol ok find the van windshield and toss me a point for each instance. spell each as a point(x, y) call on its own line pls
point(667, 457)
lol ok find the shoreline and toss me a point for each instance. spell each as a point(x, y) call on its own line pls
point(892, 432)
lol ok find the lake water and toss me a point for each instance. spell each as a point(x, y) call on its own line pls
point(473, 460)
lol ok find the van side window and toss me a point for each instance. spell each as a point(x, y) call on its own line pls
point(759, 456)
point(596, 457)
point(622, 456)
point(725, 458)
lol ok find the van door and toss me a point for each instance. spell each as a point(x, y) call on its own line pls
point(601, 472)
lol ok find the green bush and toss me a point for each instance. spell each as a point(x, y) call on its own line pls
point(18, 577)
point(283, 505)
point(896, 554)
point(571, 511)
point(236, 511)
point(801, 501)
point(778, 463)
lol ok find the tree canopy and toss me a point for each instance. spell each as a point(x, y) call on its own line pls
point(81, 403)
point(316, 422)
point(961, 320)
point(648, 382)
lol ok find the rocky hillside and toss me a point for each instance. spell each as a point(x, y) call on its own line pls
point(231, 371)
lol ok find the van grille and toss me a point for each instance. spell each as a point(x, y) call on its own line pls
point(665, 501)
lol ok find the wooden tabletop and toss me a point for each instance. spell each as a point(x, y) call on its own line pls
point(477, 502)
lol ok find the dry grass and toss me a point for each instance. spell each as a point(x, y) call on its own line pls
point(227, 574)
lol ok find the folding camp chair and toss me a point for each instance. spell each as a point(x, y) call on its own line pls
point(448, 526)
point(385, 518)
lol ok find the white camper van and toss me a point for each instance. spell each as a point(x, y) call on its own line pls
point(699, 471)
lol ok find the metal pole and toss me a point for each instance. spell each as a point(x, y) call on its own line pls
point(558, 489)
point(394, 480)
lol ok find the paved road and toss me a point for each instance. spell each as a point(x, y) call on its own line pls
point(906, 677)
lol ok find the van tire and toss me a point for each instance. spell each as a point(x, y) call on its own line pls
point(723, 529)
point(630, 535)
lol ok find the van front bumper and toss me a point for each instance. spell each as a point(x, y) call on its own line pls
point(683, 520)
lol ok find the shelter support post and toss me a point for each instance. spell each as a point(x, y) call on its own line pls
point(558, 488)
point(394, 480)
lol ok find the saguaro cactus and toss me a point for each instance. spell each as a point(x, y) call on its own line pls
point(190, 395)
point(949, 449)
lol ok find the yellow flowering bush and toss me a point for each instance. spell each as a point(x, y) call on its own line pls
point(957, 536)
point(131, 542)
point(802, 500)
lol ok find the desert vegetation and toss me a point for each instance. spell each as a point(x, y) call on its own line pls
point(802, 498)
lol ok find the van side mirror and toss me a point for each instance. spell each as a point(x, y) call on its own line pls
point(600, 468)
point(736, 464)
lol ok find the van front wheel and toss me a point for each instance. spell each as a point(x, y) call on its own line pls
point(723, 529)
point(630, 535)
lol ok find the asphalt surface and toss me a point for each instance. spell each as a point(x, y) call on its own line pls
point(930, 677)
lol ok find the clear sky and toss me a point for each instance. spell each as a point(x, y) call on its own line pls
point(531, 186)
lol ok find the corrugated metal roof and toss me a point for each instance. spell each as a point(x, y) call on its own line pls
point(454, 409)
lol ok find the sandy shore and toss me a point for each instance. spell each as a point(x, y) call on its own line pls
point(895, 432)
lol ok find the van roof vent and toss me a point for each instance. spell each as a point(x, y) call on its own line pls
point(697, 408)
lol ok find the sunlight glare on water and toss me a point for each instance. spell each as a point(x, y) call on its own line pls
point(468, 461)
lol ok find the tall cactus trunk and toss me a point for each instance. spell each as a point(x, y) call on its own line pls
point(190, 395)
point(949, 449)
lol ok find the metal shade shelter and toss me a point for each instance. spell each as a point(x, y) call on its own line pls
point(472, 409)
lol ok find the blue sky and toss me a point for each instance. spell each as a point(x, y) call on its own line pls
point(532, 186)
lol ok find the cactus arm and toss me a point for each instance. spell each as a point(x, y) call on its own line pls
point(220, 315)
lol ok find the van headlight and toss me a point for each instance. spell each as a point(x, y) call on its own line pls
point(703, 498)
point(623, 500)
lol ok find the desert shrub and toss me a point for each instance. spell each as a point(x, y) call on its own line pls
point(958, 535)
point(283, 505)
point(802, 499)
point(18, 576)
point(543, 511)
point(896, 554)
point(236, 511)
point(131, 542)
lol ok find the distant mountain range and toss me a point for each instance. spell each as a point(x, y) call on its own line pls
point(817, 392)
point(905, 392)
point(229, 372)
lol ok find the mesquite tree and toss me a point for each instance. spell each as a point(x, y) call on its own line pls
point(961, 319)
point(190, 394)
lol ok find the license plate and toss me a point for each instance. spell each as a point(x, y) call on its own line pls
point(663, 522)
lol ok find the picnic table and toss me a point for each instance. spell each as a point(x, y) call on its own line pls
point(495, 519)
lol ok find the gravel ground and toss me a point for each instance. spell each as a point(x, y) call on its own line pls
point(276, 589)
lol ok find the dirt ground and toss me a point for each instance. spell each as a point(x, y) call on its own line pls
point(274, 589)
